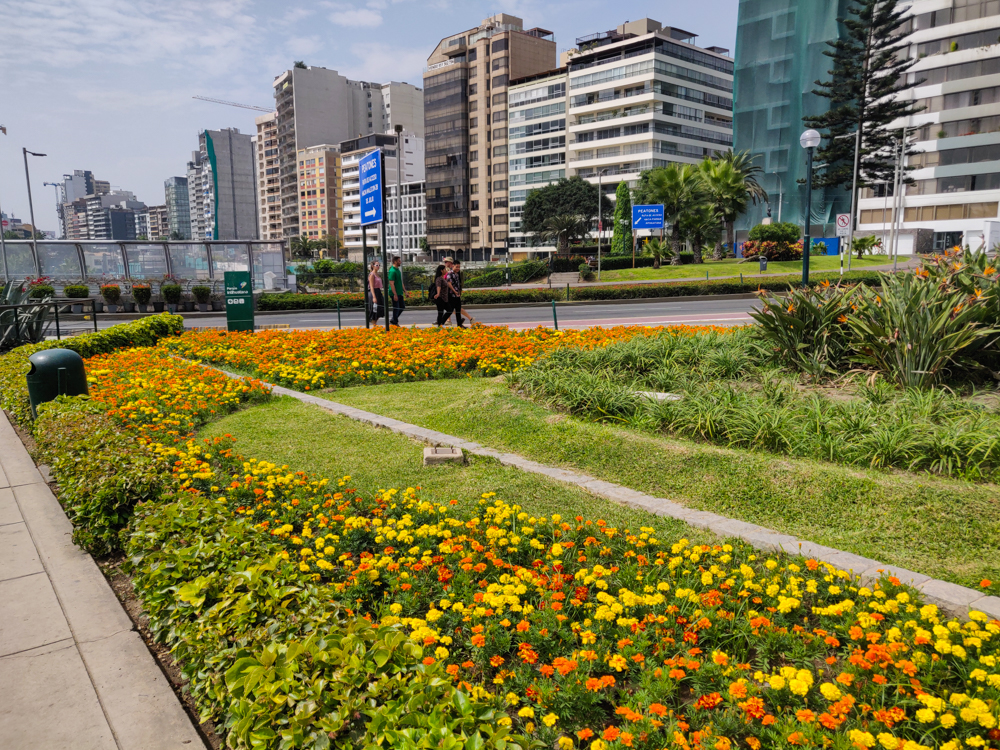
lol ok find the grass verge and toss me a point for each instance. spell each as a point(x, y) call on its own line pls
point(945, 528)
point(733, 267)
point(286, 431)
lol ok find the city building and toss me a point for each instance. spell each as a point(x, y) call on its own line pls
point(641, 96)
point(319, 202)
point(780, 46)
point(112, 216)
point(414, 219)
point(955, 138)
point(268, 177)
point(316, 106)
point(175, 191)
point(536, 140)
point(222, 195)
point(465, 114)
point(76, 187)
point(74, 220)
point(153, 223)
point(351, 152)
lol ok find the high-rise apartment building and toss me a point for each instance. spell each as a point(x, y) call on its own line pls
point(222, 194)
point(465, 115)
point(537, 111)
point(320, 212)
point(175, 191)
point(153, 223)
point(955, 193)
point(350, 154)
point(75, 187)
point(405, 232)
point(112, 216)
point(268, 177)
point(316, 106)
point(644, 95)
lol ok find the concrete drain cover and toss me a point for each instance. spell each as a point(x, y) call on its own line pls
point(443, 454)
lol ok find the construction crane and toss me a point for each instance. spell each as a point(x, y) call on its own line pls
point(234, 104)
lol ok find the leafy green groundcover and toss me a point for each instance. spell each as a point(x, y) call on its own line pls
point(14, 364)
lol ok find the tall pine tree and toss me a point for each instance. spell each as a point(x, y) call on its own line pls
point(869, 71)
point(621, 240)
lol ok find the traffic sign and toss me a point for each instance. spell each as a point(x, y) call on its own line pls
point(647, 217)
point(239, 301)
point(370, 169)
point(843, 225)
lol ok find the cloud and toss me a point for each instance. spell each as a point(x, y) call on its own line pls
point(346, 15)
point(381, 62)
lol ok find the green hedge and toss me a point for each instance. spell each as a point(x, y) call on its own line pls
point(14, 364)
point(413, 299)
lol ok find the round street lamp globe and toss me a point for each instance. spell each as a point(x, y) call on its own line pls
point(810, 139)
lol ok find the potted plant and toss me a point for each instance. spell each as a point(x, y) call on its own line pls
point(77, 291)
point(40, 291)
point(111, 294)
point(171, 295)
point(142, 294)
point(203, 294)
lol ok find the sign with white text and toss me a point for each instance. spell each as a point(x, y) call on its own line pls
point(239, 301)
point(647, 217)
point(843, 225)
point(370, 171)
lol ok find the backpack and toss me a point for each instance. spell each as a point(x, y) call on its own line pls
point(432, 292)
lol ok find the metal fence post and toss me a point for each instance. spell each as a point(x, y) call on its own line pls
point(58, 333)
point(17, 327)
point(93, 313)
point(555, 319)
point(339, 326)
point(567, 292)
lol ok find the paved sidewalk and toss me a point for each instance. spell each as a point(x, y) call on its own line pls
point(73, 671)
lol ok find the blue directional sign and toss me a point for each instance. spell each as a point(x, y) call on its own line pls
point(647, 217)
point(370, 168)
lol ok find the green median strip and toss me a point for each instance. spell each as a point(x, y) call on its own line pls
point(944, 528)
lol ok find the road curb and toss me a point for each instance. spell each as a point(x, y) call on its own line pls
point(954, 599)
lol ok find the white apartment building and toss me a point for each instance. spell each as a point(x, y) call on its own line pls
point(351, 153)
point(536, 140)
point(414, 219)
point(317, 106)
point(644, 95)
point(268, 177)
point(956, 191)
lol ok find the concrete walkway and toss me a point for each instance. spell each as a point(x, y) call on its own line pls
point(73, 671)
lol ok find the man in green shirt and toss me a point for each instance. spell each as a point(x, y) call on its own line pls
point(397, 290)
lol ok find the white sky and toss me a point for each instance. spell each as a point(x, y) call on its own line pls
point(106, 85)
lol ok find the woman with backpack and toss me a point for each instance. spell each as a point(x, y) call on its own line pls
point(441, 294)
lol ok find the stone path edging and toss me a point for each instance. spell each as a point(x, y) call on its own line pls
point(73, 670)
point(955, 599)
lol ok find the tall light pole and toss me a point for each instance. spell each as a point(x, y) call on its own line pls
point(3, 242)
point(809, 140)
point(31, 211)
point(56, 186)
point(600, 203)
point(399, 191)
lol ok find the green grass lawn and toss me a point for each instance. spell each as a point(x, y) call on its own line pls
point(944, 528)
point(306, 438)
point(733, 267)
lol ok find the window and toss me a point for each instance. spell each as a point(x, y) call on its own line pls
point(472, 72)
point(500, 81)
point(500, 134)
point(473, 54)
point(500, 63)
point(474, 156)
point(474, 173)
point(474, 105)
point(474, 187)
point(499, 99)
point(500, 219)
point(499, 203)
point(473, 88)
point(500, 116)
point(473, 139)
point(500, 45)
point(502, 185)
point(473, 122)
point(475, 221)
point(499, 151)
point(474, 205)
point(500, 168)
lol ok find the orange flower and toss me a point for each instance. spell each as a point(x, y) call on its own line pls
point(986, 583)
point(585, 734)
point(611, 734)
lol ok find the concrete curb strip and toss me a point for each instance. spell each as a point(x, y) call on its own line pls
point(955, 599)
point(93, 683)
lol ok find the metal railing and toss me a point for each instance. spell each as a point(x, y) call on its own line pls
point(97, 260)
point(59, 315)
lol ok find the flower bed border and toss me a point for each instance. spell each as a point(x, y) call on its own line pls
point(954, 599)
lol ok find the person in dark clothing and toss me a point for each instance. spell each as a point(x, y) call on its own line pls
point(375, 285)
point(455, 302)
point(440, 294)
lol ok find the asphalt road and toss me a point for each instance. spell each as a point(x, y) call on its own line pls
point(717, 311)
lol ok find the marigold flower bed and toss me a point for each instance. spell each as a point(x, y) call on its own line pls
point(308, 360)
point(599, 637)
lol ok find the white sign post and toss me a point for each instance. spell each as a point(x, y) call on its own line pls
point(843, 232)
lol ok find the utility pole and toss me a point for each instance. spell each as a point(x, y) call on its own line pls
point(399, 191)
point(600, 203)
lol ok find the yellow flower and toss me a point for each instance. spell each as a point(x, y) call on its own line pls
point(565, 743)
point(948, 721)
point(861, 738)
point(829, 691)
point(925, 716)
point(526, 713)
point(549, 719)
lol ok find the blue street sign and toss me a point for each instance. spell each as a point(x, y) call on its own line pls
point(370, 168)
point(647, 217)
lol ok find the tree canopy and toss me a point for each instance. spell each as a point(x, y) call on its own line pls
point(621, 240)
point(570, 196)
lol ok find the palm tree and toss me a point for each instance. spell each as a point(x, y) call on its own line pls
point(743, 163)
point(563, 229)
point(701, 227)
point(657, 248)
point(680, 188)
point(729, 196)
point(303, 247)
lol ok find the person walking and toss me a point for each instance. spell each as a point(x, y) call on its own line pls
point(375, 284)
point(442, 294)
point(455, 303)
point(397, 289)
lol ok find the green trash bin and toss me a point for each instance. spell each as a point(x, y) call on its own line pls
point(55, 372)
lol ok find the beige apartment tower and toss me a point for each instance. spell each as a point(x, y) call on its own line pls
point(465, 124)
point(268, 177)
point(320, 212)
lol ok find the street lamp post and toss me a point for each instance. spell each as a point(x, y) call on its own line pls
point(31, 211)
point(399, 190)
point(600, 203)
point(809, 140)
